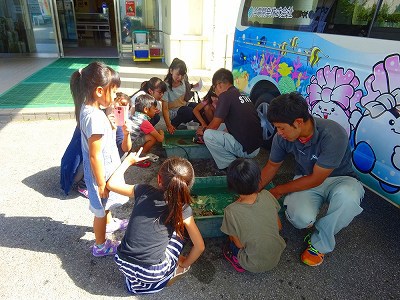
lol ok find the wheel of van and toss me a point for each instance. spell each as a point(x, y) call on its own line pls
point(268, 129)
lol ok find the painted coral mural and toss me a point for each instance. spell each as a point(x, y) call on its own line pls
point(377, 126)
point(282, 62)
point(333, 94)
point(241, 79)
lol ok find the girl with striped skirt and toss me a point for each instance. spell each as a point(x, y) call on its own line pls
point(149, 254)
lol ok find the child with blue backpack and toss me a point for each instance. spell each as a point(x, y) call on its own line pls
point(94, 88)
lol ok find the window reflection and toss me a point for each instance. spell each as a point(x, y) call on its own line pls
point(350, 17)
point(387, 23)
point(42, 25)
point(26, 27)
point(344, 17)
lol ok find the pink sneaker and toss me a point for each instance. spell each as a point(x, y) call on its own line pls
point(116, 224)
point(232, 258)
point(84, 193)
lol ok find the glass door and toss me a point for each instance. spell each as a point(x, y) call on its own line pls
point(140, 15)
point(66, 17)
point(87, 28)
point(27, 27)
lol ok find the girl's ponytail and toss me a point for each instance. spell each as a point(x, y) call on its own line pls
point(177, 195)
point(77, 95)
point(144, 86)
point(177, 178)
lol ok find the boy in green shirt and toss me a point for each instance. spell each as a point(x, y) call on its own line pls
point(252, 221)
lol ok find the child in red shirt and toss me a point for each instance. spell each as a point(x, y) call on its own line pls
point(143, 133)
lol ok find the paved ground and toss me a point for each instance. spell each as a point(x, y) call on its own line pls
point(45, 239)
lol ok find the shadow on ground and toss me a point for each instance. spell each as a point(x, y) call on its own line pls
point(98, 276)
point(367, 247)
point(47, 183)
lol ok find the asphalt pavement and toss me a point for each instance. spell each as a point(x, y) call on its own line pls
point(45, 239)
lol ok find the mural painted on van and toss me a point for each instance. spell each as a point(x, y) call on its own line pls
point(365, 99)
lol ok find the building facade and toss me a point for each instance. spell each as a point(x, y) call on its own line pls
point(198, 31)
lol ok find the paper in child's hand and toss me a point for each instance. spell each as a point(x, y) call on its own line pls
point(197, 86)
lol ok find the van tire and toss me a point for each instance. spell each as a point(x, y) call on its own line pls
point(268, 129)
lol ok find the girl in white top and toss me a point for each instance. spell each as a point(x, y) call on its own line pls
point(175, 106)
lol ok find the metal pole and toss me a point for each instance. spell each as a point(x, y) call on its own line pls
point(378, 7)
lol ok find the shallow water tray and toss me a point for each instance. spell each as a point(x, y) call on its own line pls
point(210, 197)
point(181, 144)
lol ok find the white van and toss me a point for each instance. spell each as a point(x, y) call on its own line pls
point(343, 57)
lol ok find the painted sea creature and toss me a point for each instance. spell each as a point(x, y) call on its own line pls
point(243, 58)
point(285, 83)
point(262, 41)
point(333, 94)
point(377, 126)
point(314, 55)
point(283, 47)
point(294, 41)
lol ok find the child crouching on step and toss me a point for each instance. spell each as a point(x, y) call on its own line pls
point(143, 133)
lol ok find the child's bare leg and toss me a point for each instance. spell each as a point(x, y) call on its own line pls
point(209, 113)
point(279, 224)
point(150, 142)
point(109, 217)
point(99, 228)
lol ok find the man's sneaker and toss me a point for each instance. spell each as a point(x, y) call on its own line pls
point(116, 224)
point(109, 248)
point(312, 257)
point(232, 258)
point(307, 238)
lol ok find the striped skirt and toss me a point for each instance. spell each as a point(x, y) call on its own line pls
point(151, 279)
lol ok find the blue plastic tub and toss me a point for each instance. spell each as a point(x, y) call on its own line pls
point(181, 144)
point(210, 196)
point(142, 53)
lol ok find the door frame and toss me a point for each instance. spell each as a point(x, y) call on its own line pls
point(56, 24)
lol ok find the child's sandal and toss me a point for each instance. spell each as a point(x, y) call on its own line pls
point(152, 157)
point(198, 139)
point(143, 164)
point(177, 275)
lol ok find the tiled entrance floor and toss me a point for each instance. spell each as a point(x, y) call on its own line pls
point(48, 87)
point(36, 88)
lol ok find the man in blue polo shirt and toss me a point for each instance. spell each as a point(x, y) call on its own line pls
point(243, 134)
point(323, 173)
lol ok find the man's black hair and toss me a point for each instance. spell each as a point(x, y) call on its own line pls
point(287, 108)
